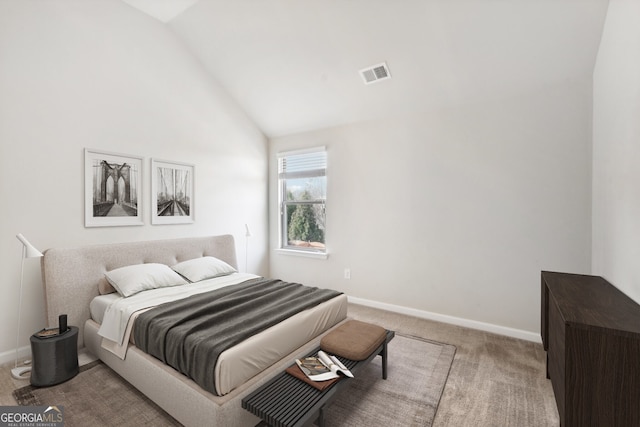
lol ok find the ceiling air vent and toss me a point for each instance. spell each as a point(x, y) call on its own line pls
point(375, 73)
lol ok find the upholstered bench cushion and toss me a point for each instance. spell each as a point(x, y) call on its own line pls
point(354, 340)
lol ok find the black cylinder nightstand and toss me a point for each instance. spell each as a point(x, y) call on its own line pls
point(55, 359)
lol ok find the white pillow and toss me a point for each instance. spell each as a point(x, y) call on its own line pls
point(203, 268)
point(132, 279)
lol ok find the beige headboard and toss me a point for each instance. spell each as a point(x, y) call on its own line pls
point(71, 275)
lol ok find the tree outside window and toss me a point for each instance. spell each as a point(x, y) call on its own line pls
point(302, 200)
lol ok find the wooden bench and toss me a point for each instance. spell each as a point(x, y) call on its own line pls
point(286, 401)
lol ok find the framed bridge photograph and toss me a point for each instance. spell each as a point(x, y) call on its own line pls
point(112, 189)
point(171, 192)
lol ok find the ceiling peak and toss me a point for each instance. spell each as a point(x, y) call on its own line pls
point(163, 10)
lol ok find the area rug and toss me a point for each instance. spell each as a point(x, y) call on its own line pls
point(97, 396)
point(417, 373)
point(416, 376)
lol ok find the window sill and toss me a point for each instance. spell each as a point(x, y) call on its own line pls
point(306, 254)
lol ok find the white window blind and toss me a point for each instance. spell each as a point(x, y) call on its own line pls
point(302, 177)
point(302, 164)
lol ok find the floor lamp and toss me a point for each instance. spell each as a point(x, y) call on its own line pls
point(28, 251)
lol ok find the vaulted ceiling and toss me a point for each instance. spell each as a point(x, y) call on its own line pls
point(293, 65)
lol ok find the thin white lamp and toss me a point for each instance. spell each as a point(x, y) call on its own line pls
point(246, 249)
point(28, 251)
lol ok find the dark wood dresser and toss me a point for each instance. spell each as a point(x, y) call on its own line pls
point(591, 333)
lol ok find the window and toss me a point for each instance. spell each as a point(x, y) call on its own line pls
point(303, 190)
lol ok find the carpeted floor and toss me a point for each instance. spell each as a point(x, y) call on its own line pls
point(494, 380)
point(417, 373)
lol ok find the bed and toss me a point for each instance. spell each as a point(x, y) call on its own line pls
point(72, 277)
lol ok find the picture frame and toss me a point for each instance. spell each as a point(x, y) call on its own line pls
point(113, 189)
point(172, 191)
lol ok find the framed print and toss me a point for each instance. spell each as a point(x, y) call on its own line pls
point(112, 189)
point(171, 192)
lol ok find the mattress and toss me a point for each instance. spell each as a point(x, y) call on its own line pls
point(243, 361)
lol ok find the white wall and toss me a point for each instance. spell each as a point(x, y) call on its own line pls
point(616, 150)
point(100, 74)
point(455, 212)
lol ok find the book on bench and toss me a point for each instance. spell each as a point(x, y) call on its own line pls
point(322, 367)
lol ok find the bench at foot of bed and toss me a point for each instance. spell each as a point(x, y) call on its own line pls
point(287, 401)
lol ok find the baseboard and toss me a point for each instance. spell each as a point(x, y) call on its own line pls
point(458, 321)
point(10, 356)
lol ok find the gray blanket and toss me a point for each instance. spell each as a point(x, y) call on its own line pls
point(190, 334)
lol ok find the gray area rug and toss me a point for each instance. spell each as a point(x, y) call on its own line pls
point(417, 373)
point(97, 396)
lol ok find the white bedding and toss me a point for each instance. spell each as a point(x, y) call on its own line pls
point(99, 305)
point(237, 367)
point(239, 363)
point(118, 310)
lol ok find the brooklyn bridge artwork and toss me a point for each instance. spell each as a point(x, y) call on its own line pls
point(172, 189)
point(114, 189)
point(115, 185)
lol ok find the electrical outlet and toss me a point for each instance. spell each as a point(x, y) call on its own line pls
point(347, 273)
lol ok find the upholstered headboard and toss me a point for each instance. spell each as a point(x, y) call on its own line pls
point(71, 275)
